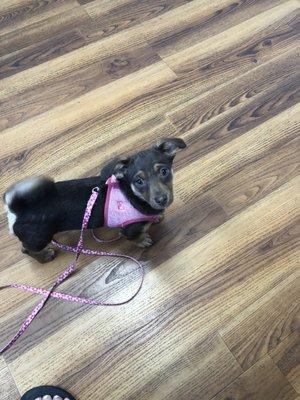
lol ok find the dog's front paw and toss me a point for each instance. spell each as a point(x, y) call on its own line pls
point(44, 256)
point(144, 240)
point(159, 219)
point(48, 256)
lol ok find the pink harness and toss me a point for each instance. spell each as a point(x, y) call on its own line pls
point(118, 211)
point(123, 215)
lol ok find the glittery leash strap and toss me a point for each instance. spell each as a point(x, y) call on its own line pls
point(64, 275)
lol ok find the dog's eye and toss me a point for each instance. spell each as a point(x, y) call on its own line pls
point(164, 171)
point(139, 182)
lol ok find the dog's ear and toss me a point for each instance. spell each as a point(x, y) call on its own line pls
point(121, 167)
point(170, 146)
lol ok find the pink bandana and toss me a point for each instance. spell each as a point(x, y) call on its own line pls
point(118, 211)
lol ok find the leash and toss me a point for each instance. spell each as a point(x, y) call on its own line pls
point(79, 249)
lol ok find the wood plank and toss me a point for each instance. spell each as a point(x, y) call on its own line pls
point(105, 3)
point(112, 17)
point(265, 324)
point(254, 93)
point(18, 14)
point(219, 118)
point(241, 47)
point(2, 363)
point(121, 121)
point(32, 102)
point(205, 263)
point(262, 381)
point(109, 283)
point(20, 60)
point(258, 178)
point(62, 66)
point(235, 155)
point(237, 121)
point(198, 370)
point(233, 124)
point(286, 355)
point(189, 86)
point(8, 389)
point(180, 91)
point(162, 380)
point(97, 102)
point(182, 27)
point(42, 30)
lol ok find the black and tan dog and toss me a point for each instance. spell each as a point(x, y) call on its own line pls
point(38, 207)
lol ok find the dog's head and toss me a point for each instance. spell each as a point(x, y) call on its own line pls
point(149, 173)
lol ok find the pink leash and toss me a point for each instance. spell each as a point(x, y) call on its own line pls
point(63, 276)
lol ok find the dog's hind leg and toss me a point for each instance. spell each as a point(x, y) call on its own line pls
point(36, 241)
point(37, 245)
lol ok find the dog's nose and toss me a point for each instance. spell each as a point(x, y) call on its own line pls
point(161, 200)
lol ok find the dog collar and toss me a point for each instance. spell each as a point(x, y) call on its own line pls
point(118, 211)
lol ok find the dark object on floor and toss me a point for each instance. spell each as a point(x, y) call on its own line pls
point(41, 391)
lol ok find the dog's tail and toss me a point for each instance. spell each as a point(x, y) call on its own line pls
point(28, 192)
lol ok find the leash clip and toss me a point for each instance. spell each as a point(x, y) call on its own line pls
point(96, 189)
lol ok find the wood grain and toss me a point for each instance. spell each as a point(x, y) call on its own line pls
point(61, 66)
point(220, 115)
point(247, 43)
point(287, 358)
point(208, 361)
point(78, 82)
point(109, 18)
point(36, 54)
point(8, 389)
point(263, 381)
point(182, 27)
point(15, 15)
point(71, 114)
point(255, 87)
point(232, 157)
point(252, 335)
point(83, 81)
point(258, 178)
point(40, 31)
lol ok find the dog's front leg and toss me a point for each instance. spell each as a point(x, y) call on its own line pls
point(138, 233)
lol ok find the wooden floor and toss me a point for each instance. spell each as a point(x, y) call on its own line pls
point(218, 316)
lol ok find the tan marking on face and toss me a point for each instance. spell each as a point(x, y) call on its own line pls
point(157, 167)
point(137, 192)
point(140, 193)
point(141, 174)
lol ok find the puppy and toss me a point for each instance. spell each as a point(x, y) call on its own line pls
point(140, 185)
